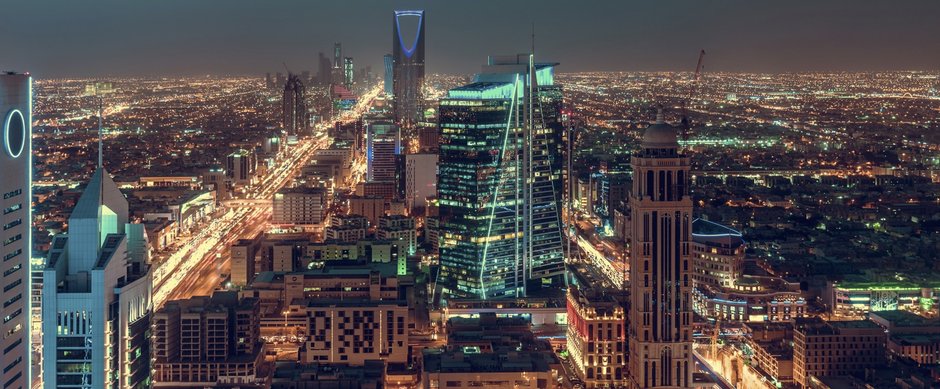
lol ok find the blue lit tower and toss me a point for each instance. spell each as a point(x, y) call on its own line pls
point(408, 67)
point(660, 263)
point(15, 182)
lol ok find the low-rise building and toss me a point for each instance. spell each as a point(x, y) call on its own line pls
point(597, 337)
point(207, 341)
point(300, 206)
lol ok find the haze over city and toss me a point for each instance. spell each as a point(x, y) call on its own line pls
point(239, 37)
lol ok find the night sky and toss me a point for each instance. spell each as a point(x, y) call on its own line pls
point(56, 38)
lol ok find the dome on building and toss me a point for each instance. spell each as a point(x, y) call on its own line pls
point(660, 135)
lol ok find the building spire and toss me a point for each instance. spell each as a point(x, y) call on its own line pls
point(660, 118)
point(100, 142)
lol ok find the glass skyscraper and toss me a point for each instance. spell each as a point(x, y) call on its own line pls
point(500, 227)
point(408, 66)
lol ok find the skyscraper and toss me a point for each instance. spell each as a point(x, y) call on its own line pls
point(383, 143)
point(408, 66)
point(15, 178)
point(389, 62)
point(97, 289)
point(349, 72)
point(660, 263)
point(478, 190)
point(499, 210)
point(294, 107)
point(541, 162)
point(324, 69)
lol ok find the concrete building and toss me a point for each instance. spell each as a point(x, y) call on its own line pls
point(16, 185)
point(660, 262)
point(719, 254)
point(372, 208)
point(303, 206)
point(344, 233)
point(504, 369)
point(240, 166)
point(207, 341)
point(351, 331)
point(97, 290)
point(383, 143)
point(243, 254)
point(420, 180)
point(397, 227)
point(835, 348)
point(597, 338)
point(772, 350)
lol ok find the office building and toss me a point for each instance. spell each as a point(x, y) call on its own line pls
point(96, 303)
point(383, 143)
point(719, 254)
point(397, 227)
point(660, 263)
point(16, 182)
point(349, 72)
point(300, 206)
point(836, 348)
point(500, 228)
point(429, 139)
point(324, 69)
point(207, 341)
point(371, 207)
point(597, 338)
point(540, 164)
point(243, 254)
point(389, 62)
point(294, 106)
point(420, 180)
point(408, 66)
point(240, 166)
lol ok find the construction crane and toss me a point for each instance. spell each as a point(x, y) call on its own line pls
point(686, 122)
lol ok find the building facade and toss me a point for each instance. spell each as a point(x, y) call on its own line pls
point(420, 180)
point(500, 229)
point(208, 341)
point(835, 348)
point(96, 304)
point(383, 143)
point(597, 337)
point(661, 263)
point(16, 178)
point(305, 206)
point(295, 117)
point(353, 331)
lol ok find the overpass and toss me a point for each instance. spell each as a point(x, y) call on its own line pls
point(247, 203)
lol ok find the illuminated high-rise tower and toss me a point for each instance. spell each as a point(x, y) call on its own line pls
point(294, 105)
point(349, 72)
point(96, 295)
point(388, 62)
point(660, 263)
point(500, 227)
point(15, 182)
point(408, 65)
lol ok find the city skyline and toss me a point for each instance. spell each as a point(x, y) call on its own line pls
point(354, 216)
point(243, 37)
